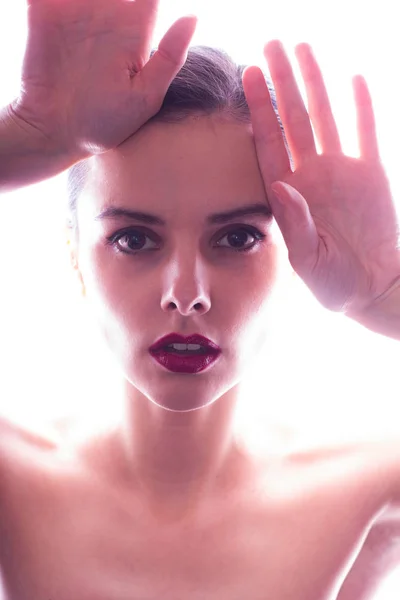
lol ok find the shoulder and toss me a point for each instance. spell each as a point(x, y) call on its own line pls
point(19, 445)
point(368, 468)
point(43, 435)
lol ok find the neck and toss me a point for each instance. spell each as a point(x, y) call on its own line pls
point(178, 461)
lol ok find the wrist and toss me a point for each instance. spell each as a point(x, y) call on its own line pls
point(28, 155)
point(383, 315)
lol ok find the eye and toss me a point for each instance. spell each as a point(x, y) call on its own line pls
point(132, 238)
point(237, 235)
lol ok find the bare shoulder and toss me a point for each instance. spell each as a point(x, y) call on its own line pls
point(371, 469)
point(43, 435)
point(19, 448)
point(367, 469)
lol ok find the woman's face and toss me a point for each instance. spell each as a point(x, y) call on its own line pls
point(187, 276)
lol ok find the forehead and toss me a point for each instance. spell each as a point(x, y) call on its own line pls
point(205, 163)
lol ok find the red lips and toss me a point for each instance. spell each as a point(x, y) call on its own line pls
point(176, 338)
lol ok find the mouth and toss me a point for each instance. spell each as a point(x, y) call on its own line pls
point(184, 351)
point(194, 364)
point(175, 343)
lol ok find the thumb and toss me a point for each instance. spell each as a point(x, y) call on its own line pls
point(170, 56)
point(297, 226)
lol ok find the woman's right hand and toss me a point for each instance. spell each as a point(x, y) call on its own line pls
point(87, 82)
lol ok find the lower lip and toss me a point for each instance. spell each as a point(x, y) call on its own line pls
point(178, 363)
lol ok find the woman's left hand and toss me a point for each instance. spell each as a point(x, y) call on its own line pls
point(336, 213)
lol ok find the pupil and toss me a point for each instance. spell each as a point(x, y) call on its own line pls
point(133, 236)
point(236, 235)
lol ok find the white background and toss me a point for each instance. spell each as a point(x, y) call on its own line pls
point(323, 375)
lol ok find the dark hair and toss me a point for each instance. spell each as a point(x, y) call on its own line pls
point(209, 82)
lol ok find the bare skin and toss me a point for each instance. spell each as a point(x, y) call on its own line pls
point(293, 527)
point(169, 504)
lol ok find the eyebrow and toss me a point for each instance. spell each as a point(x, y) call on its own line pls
point(116, 212)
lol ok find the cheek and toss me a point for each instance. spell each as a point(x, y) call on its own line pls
point(262, 292)
point(262, 276)
point(102, 274)
point(119, 304)
point(106, 295)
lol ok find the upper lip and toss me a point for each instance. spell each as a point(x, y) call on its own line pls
point(176, 338)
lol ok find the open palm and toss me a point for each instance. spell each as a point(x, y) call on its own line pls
point(335, 212)
point(87, 81)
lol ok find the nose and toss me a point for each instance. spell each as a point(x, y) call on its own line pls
point(186, 286)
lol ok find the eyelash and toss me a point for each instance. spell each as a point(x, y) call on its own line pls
point(113, 239)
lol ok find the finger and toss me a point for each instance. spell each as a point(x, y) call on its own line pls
point(290, 103)
point(145, 10)
point(268, 137)
point(366, 125)
point(319, 107)
point(298, 229)
point(170, 56)
point(147, 5)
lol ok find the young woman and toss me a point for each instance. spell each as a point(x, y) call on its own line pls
point(180, 181)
